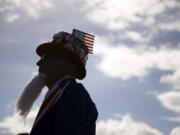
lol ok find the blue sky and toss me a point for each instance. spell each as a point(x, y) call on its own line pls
point(133, 75)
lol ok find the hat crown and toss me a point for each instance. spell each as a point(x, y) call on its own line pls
point(73, 47)
point(72, 43)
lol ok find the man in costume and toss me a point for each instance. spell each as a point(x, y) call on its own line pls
point(67, 108)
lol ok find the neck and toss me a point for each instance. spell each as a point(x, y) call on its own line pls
point(51, 81)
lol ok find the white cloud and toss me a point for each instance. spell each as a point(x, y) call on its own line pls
point(173, 25)
point(125, 62)
point(170, 100)
point(125, 126)
point(120, 61)
point(175, 131)
point(112, 15)
point(14, 9)
point(173, 79)
point(118, 14)
point(15, 124)
point(172, 119)
point(12, 17)
point(35, 7)
point(147, 17)
point(135, 36)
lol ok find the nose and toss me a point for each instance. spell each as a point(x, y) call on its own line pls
point(39, 62)
point(43, 59)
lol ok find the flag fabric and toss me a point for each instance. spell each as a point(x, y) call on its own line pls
point(87, 39)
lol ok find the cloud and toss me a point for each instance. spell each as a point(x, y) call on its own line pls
point(172, 119)
point(173, 79)
point(15, 9)
point(112, 15)
point(12, 17)
point(115, 15)
point(174, 25)
point(135, 36)
point(175, 131)
point(170, 100)
point(137, 20)
point(125, 126)
point(14, 124)
point(121, 61)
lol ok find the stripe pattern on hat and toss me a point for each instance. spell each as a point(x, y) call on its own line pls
point(85, 38)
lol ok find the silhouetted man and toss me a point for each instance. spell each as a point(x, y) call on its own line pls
point(67, 108)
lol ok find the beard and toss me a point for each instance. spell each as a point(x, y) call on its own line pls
point(30, 93)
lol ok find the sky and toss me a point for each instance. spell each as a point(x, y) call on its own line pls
point(133, 76)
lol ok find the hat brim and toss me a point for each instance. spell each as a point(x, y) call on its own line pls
point(58, 50)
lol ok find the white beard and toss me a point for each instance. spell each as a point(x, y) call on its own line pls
point(30, 94)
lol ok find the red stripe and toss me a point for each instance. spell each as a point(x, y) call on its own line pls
point(92, 41)
point(86, 36)
point(89, 47)
point(89, 44)
point(87, 39)
point(89, 35)
point(90, 50)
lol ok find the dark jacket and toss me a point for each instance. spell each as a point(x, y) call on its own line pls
point(73, 114)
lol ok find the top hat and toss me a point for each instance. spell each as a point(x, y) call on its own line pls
point(73, 47)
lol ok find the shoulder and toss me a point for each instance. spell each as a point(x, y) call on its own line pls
point(76, 94)
point(78, 90)
point(76, 99)
point(82, 96)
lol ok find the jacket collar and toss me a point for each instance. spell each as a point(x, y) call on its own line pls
point(59, 84)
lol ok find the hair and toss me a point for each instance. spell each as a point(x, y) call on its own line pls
point(30, 94)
